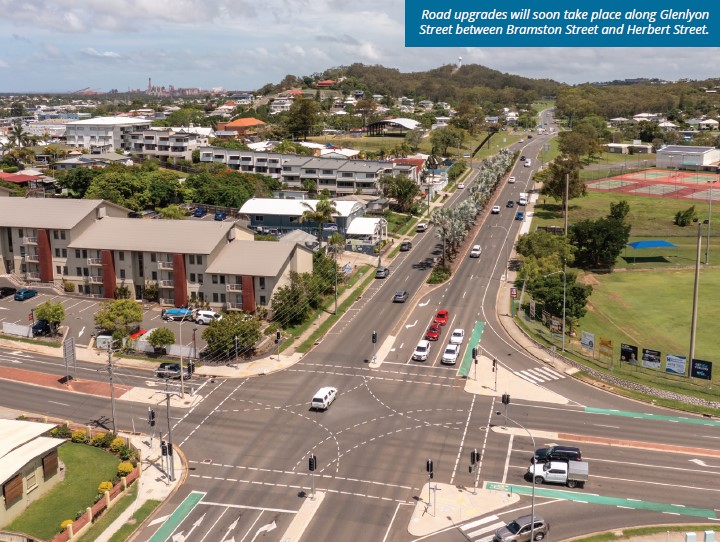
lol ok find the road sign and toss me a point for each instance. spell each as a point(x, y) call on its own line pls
point(513, 292)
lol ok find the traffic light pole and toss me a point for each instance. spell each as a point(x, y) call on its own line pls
point(170, 456)
point(312, 465)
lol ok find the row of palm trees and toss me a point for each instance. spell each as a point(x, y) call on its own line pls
point(453, 223)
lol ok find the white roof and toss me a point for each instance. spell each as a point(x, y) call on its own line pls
point(20, 442)
point(347, 153)
point(667, 124)
point(364, 225)
point(110, 121)
point(293, 207)
point(709, 121)
point(410, 124)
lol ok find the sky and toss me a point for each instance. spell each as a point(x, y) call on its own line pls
point(67, 45)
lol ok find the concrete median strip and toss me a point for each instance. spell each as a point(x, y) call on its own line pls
point(303, 518)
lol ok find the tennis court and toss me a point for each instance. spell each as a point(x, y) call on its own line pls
point(689, 185)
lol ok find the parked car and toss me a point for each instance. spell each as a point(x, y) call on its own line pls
point(458, 336)
point(382, 272)
point(172, 370)
point(442, 317)
point(323, 398)
point(476, 251)
point(520, 530)
point(405, 246)
point(451, 354)
point(496, 210)
point(421, 227)
point(200, 212)
point(25, 293)
point(177, 314)
point(511, 180)
point(42, 328)
point(510, 204)
point(519, 215)
point(220, 215)
point(401, 296)
point(421, 351)
point(205, 317)
point(6, 291)
point(433, 332)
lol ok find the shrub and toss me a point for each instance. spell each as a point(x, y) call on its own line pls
point(98, 440)
point(68, 287)
point(64, 525)
point(685, 218)
point(107, 439)
point(439, 274)
point(105, 486)
point(62, 431)
point(124, 469)
point(126, 453)
point(79, 436)
point(117, 444)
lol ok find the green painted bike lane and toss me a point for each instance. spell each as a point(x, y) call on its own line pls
point(657, 417)
point(600, 499)
point(467, 361)
point(177, 517)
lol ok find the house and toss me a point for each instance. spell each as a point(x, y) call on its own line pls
point(93, 161)
point(28, 465)
point(242, 126)
point(327, 83)
point(31, 181)
point(366, 234)
point(281, 105)
point(709, 124)
point(667, 126)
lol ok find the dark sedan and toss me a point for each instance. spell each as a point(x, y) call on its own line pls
point(6, 291)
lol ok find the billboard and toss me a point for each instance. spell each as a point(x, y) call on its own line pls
point(587, 341)
point(701, 369)
point(651, 359)
point(629, 353)
point(606, 347)
point(675, 364)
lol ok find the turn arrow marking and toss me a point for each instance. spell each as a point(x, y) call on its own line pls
point(408, 326)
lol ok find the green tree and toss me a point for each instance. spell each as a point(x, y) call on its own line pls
point(173, 212)
point(443, 138)
point(549, 290)
point(563, 171)
point(160, 338)
point(120, 316)
point(164, 188)
point(414, 138)
point(403, 189)
point(542, 252)
point(17, 134)
point(235, 331)
point(77, 180)
point(292, 304)
point(599, 242)
point(619, 210)
point(321, 213)
point(302, 118)
point(52, 312)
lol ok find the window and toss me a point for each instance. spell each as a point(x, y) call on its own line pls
point(215, 297)
point(200, 278)
point(198, 259)
point(258, 218)
point(153, 257)
point(262, 300)
point(77, 253)
point(192, 259)
point(86, 272)
point(223, 298)
point(20, 232)
point(65, 269)
point(62, 234)
point(56, 234)
point(57, 252)
point(261, 283)
point(121, 256)
point(31, 480)
point(294, 219)
point(214, 279)
point(64, 253)
point(154, 275)
point(78, 271)
point(58, 269)
point(122, 273)
point(222, 279)
point(84, 253)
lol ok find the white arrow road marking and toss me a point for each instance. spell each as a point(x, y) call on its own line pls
point(159, 520)
point(81, 332)
point(264, 529)
point(229, 530)
point(424, 304)
point(408, 326)
point(180, 537)
point(703, 464)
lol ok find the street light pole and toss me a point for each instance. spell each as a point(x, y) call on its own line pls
point(695, 293)
point(564, 272)
point(707, 248)
point(532, 501)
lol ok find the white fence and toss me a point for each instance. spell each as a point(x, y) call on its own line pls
point(19, 330)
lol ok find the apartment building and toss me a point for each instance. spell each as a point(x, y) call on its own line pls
point(167, 145)
point(103, 134)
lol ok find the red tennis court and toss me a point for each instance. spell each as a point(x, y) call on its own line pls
point(688, 185)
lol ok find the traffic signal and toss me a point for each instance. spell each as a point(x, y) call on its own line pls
point(312, 463)
point(374, 337)
point(474, 352)
point(277, 337)
point(163, 448)
point(429, 467)
point(494, 364)
point(505, 398)
point(191, 367)
point(151, 417)
point(169, 448)
point(474, 457)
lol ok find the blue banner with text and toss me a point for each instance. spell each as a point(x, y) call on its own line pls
point(561, 23)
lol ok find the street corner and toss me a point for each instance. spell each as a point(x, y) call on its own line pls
point(158, 396)
point(442, 506)
point(263, 366)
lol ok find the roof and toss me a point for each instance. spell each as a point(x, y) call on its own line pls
point(18, 177)
point(56, 214)
point(293, 207)
point(172, 236)
point(364, 226)
point(254, 258)
point(244, 123)
point(108, 121)
point(659, 243)
point(685, 149)
point(20, 442)
point(409, 124)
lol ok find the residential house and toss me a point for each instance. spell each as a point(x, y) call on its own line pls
point(243, 126)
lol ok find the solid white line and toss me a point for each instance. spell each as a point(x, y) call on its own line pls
point(478, 522)
point(247, 533)
point(507, 459)
point(58, 403)
point(213, 525)
point(462, 440)
point(281, 510)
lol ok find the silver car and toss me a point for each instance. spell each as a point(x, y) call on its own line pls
point(520, 530)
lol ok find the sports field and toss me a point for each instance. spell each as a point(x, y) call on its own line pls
point(685, 185)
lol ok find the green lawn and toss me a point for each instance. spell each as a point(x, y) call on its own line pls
point(85, 468)
point(99, 526)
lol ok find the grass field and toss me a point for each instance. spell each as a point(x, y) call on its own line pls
point(75, 493)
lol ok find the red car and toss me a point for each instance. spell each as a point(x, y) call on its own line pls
point(442, 317)
point(433, 332)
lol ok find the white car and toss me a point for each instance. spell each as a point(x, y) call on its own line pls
point(421, 351)
point(451, 354)
point(511, 180)
point(458, 336)
point(461, 186)
point(205, 317)
point(323, 398)
point(475, 251)
point(496, 210)
point(421, 227)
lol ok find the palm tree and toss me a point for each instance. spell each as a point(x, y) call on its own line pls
point(322, 212)
point(17, 134)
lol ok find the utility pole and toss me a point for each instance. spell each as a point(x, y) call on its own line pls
point(170, 456)
point(112, 386)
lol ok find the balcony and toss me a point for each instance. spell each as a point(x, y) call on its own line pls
point(29, 240)
point(233, 287)
point(233, 306)
point(166, 283)
point(31, 258)
point(95, 279)
point(94, 261)
point(165, 265)
point(32, 276)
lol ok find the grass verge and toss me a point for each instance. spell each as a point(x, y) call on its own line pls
point(85, 468)
point(137, 519)
point(111, 515)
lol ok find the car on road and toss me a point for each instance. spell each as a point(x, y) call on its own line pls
point(528, 163)
point(24, 293)
point(529, 136)
point(461, 186)
point(401, 296)
point(421, 227)
point(510, 204)
point(382, 272)
point(519, 215)
point(433, 332)
point(442, 317)
point(6, 291)
point(522, 158)
point(176, 314)
point(42, 328)
point(323, 398)
point(172, 370)
point(458, 336)
point(205, 317)
point(220, 215)
point(511, 180)
point(450, 355)
point(495, 210)
point(475, 251)
point(557, 453)
point(521, 529)
point(199, 212)
point(405, 246)
point(421, 351)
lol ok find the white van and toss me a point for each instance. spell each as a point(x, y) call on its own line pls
point(528, 163)
point(323, 398)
